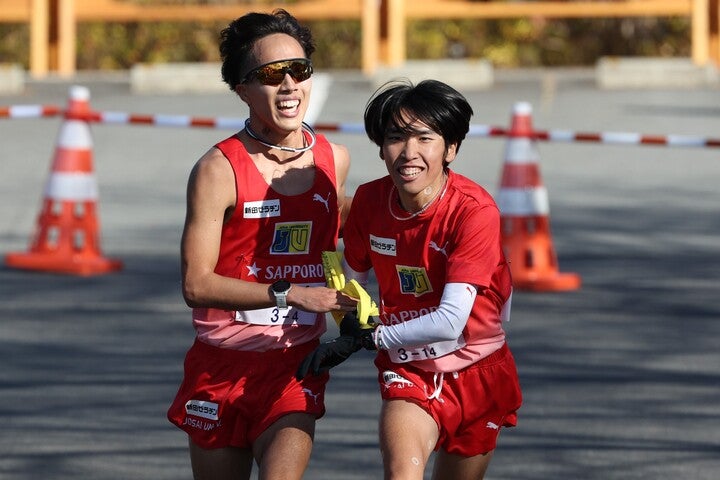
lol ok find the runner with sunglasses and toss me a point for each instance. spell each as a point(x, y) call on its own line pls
point(262, 205)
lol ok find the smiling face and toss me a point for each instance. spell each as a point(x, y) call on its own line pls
point(276, 110)
point(415, 159)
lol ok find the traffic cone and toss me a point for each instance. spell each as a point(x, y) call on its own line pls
point(524, 212)
point(66, 237)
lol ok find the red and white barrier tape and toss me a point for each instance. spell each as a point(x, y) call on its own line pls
point(234, 123)
point(30, 111)
point(617, 138)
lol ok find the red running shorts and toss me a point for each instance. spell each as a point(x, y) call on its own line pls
point(229, 397)
point(472, 404)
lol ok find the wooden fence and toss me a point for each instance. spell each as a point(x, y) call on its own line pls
point(53, 23)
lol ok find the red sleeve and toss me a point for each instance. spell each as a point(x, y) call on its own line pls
point(477, 248)
point(356, 253)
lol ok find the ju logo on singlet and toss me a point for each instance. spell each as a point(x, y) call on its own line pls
point(413, 280)
point(291, 238)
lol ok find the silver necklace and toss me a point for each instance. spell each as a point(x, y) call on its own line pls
point(305, 127)
point(439, 194)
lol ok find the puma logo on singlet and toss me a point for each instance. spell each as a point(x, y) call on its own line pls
point(322, 200)
point(435, 247)
point(310, 393)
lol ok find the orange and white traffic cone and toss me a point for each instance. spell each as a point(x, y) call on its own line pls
point(66, 237)
point(524, 211)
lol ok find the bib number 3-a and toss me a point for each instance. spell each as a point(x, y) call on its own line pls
point(275, 316)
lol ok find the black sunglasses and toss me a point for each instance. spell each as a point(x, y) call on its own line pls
point(273, 73)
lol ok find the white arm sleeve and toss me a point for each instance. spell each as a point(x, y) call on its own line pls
point(445, 323)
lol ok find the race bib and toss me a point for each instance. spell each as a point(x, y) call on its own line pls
point(426, 352)
point(276, 316)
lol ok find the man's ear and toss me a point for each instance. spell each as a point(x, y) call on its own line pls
point(241, 92)
point(451, 153)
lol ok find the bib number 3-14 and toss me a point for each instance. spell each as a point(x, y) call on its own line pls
point(426, 352)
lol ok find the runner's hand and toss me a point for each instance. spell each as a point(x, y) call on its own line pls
point(351, 326)
point(331, 354)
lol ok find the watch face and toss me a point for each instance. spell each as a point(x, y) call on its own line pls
point(280, 286)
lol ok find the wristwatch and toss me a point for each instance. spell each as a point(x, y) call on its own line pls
point(280, 289)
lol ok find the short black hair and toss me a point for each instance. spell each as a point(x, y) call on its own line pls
point(436, 104)
point(238, 38)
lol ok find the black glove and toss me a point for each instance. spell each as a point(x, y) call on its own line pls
point(331, 354)
point(350, 327)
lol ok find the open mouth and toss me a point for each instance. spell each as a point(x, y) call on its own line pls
point(288, 106)
point(409, 172)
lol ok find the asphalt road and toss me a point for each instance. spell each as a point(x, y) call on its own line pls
point(620, 377)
